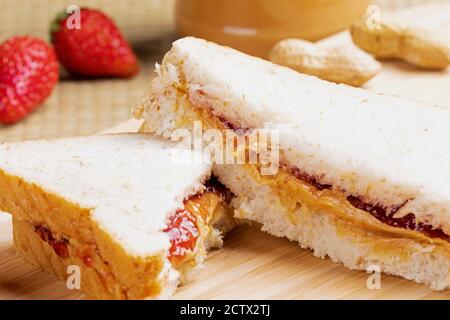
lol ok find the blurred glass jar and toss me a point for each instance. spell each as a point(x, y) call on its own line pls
point(254, 26)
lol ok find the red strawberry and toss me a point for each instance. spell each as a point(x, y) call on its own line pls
point(95, 49)
point(28, 74)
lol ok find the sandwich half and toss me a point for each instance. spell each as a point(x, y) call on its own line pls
point(118, 207)
point(361, 178)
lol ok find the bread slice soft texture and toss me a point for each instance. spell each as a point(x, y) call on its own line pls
point(388, 153)
point(101, 203)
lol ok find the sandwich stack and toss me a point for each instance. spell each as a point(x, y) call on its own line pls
point(357, 177)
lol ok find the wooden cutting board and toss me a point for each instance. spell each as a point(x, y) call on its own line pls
point(252, 264)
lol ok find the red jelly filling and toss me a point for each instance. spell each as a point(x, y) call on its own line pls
point(219, 189)
point(183, 233)
point(182, 226)
point(407, 222)
point(60, 246)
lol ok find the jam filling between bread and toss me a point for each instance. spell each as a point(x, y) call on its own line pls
point(183, 226)
point(406, 222)
point(183, 232)
point(60, 246)
point(86, 252)
point(381, 214)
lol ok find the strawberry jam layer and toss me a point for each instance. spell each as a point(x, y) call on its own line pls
point(214, 186)
point(406, 222)
point(183, 232)
point(381, 214)
point(58, 245)
point(182, 226)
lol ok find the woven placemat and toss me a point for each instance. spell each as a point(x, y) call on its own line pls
point(87, 107)
point(82, 107)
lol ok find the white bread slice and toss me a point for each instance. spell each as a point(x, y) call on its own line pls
point(373, 147)
point(387, 151)
point(109, 197)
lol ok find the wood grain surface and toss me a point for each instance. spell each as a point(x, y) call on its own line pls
point(252, 264)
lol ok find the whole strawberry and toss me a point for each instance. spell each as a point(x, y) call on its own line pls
point(94, 48)
point(28, 74)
